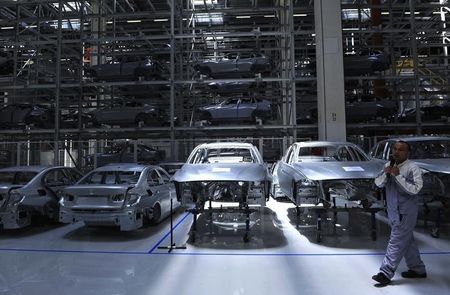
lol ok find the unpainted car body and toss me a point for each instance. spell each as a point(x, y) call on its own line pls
point(235, 64)
point(226, 172)
point(360, 112)
point(243, 109)
point(314, 172)
point(128, 68)
point(125, 113)
point(432, 155)
point(125, 153)
point(27, 191)
point(354, 65)
point(14, 115)
point(123, 195)
point(229, 87)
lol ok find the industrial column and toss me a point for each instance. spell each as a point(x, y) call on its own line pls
point(330, 70)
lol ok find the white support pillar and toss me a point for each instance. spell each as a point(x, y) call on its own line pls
point(330, 70)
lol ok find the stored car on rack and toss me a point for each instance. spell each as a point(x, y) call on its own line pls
point(133, 112)
point(243, 109)
point(27, 191)
point(15, 115)
point(314, 172)
point(360, 112)
point(363, 63)
point(235, 64)
point(226, 172)
point(124, 195)
point(432, 154)
point(127, 68)
point(125, 153)
point(229, 87)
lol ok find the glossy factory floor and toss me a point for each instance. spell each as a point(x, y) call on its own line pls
point(280, 258)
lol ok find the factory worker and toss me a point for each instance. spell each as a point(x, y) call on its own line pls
point(402, 180)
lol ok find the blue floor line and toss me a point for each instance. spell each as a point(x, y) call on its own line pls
point(205, 253)
point(167, 234)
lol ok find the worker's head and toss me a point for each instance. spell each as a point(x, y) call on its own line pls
point(400, 151)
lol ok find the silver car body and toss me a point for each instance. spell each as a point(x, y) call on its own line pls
point(225, 172)
point(315, 171)
point(241, 64)
point(432, 154)
point(26, 191)
point(121, 195)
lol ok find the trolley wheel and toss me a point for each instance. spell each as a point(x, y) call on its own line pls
point(435, 232)
point(246, 238)
point(318, 237)
point(192, 237)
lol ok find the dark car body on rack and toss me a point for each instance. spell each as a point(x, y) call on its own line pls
point(127, 68)
point(237, 110)
point(15, 115)
point(125, 153)
point(235, 64)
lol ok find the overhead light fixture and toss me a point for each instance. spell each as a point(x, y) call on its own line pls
point(269, 15)
point(243, 16)
point(385, 12)
point(409, 12)
point(7, 28)
point(134, 21)
point(161, 20)
point(300, 14)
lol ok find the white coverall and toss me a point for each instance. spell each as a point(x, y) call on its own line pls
point(402, 208)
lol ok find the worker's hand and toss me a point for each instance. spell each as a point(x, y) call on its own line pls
point(388, 169)
point(395, 171)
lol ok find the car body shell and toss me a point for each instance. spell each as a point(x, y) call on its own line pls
point(14, 115)
point(432, 155)
point(27, 191)
point(242, 64)
point(315, 171)
point(125, 153)
point(130, 68)
point(243, 109)
point(354, 65)
point(226, 172)
point(123, 195)
point(125, 113)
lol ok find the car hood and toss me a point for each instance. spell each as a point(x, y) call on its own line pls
point(434, 165)
point(339, 170)
point(221, 172)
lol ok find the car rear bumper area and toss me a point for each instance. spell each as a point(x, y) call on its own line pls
point(127, 220)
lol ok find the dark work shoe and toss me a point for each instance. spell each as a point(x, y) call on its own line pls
point(381, 279)
point(411, 274)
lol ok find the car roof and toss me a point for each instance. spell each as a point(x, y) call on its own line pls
point(321, 143)
point(33, 168)
point(123, 166)
point(226, 145)
point(418, 138)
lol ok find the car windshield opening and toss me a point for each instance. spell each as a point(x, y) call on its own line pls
point(317, 153)
point(223, 155)
point(432, 149)
point(112, 177)
point(12, 177)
